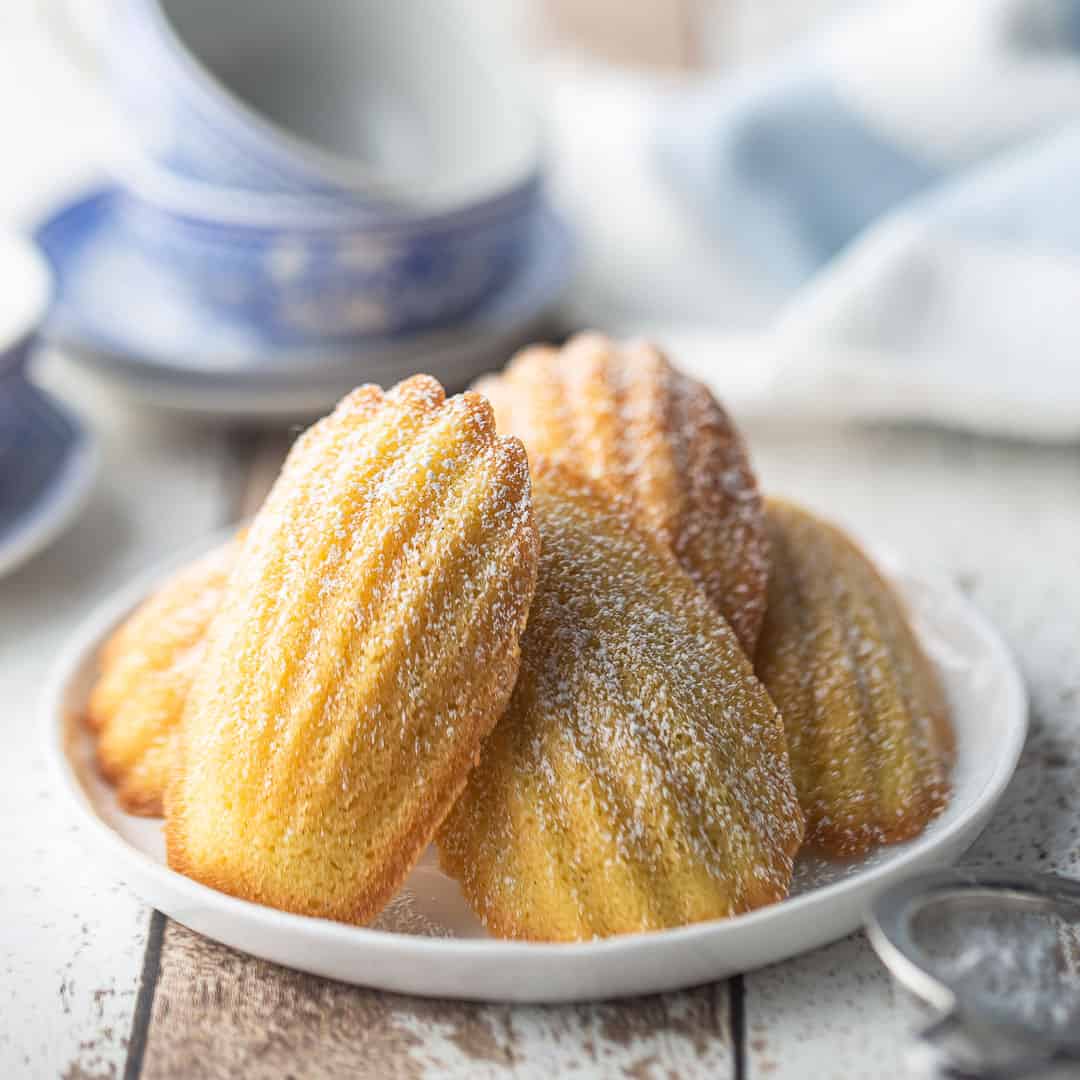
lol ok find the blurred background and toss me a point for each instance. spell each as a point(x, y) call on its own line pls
point(856, 221)
point(235, 211)
point(593, 72)
point(596, 68)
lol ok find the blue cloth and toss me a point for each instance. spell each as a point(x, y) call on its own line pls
point(779, 168)
point(793, 162)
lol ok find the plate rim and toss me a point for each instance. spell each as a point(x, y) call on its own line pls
point(58, 728)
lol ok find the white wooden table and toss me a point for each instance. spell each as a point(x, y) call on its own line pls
point(93, 984)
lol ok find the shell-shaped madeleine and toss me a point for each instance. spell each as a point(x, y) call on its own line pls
point(368, 640)
point(147, 668)
point(865, 713)
point(624, 416)
point(639, 779)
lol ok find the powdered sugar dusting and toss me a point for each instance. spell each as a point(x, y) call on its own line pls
point(1015, 964)
point(639, 778)
point(148, 667)
point(367, 641)
point(865, 714)
point(627, 418)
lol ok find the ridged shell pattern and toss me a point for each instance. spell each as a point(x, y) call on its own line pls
point(865, 712)
point(147, 668)
point(624, 416)
point(368, 640)
point(639, 778)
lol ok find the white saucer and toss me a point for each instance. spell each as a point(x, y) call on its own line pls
point(427, 942)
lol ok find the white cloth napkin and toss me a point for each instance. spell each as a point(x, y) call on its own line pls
point(912, 177)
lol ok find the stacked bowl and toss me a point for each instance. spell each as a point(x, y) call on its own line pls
point(318, 193)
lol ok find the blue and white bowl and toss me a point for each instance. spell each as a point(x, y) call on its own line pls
point(408, 105)
point(179, 356)
point(308, 273)
point(317, 178)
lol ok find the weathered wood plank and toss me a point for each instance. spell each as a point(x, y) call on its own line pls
point(222, 1014)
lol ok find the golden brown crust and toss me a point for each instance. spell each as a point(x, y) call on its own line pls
point(639, 778)
point(622, 415)
point(147, 667)
point(367, 642)
point(865, 712)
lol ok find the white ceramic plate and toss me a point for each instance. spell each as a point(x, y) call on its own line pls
point(428, 943)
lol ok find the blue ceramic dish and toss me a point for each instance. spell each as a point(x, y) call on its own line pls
point(47, 459)
point(13, 362)
point(36, 440)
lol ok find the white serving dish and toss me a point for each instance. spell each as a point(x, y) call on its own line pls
point(427, 942)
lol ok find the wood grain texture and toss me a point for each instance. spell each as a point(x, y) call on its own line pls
point(219, 1013)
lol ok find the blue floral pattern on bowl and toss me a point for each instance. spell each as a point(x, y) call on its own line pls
point(103, 274)
point(329, 281)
